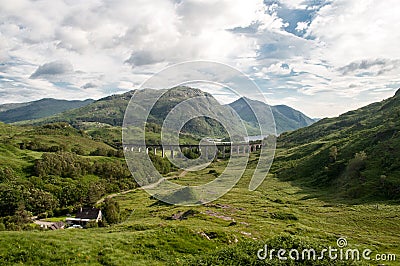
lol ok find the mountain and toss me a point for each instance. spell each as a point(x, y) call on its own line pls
point(353, 156)
point(110, 110)
point(286, 118)
point(10, 106)
point(14, 112)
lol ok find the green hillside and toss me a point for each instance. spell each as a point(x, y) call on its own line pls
point(54, 168)
point(10, 113)
point(228, 231)
point(109, 110)
point(353, 156)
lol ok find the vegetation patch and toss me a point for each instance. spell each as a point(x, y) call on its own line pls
point(283, 216)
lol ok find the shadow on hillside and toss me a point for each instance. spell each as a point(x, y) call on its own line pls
point(336, 195)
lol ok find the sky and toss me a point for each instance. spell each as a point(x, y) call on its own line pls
point(318, 56)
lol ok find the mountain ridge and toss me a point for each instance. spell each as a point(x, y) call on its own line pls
point(110, 110)
point(15, 112)
point(286, 118)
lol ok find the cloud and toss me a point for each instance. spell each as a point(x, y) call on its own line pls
point(302, 25)
point(342, 49)
point(373, 67)
point(54, 68)
point(357, 30)
point(89, 85)
point(294, 4)
point(277, 69)
point(142, 58)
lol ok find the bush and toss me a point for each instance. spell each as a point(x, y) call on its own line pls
point(191, 154)
point(12, 197)
point(63, 211)
point(283, 216)
point(111, 211)
point(356, 165)
point(7, 174)
point(163, 165)
point(99, 152)
point(40, 201)
point(78, 150)
point(92, 224)
point(42, 215)
point(64, 164)
point(213, 172)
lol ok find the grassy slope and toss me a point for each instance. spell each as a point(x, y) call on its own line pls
point(305, 156)
point(146, 237)
point(21, 159)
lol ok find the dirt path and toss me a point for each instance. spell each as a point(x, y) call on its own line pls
point(115, 194)
point(182, 174)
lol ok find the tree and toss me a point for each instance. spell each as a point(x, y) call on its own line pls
point(96, 191)
point(64, 164)
point(111, 211)
point(333, 152)
point(22, 216)
point(40, 201)
point(7, 174)
point(356, 165)
point(12, 197)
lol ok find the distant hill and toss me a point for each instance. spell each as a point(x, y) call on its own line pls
point(15, 112)
point(286, 118)
point(110, 110)
point(353, 156)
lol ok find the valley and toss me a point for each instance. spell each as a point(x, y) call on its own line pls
point(337, 178)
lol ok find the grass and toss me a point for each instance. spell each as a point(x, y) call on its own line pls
point(235, 224)
point(56, 219)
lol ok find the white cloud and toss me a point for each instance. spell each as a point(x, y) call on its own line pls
point(274, 69)
point(350, 48)
point(294, 4)
point(302, 25)
point(357, 30)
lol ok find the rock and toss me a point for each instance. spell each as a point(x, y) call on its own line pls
point(232, 223)
point(182, 215)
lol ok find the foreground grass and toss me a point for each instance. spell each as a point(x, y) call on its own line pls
point(228, 231)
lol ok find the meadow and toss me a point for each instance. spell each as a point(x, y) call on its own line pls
point(228, 231)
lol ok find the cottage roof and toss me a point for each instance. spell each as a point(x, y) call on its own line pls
point(87, 213)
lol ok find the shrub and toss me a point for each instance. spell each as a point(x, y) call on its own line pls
point(283, 216)
point(7, 174)
point(92, 224)
point(356, 165)
point(111, 211)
